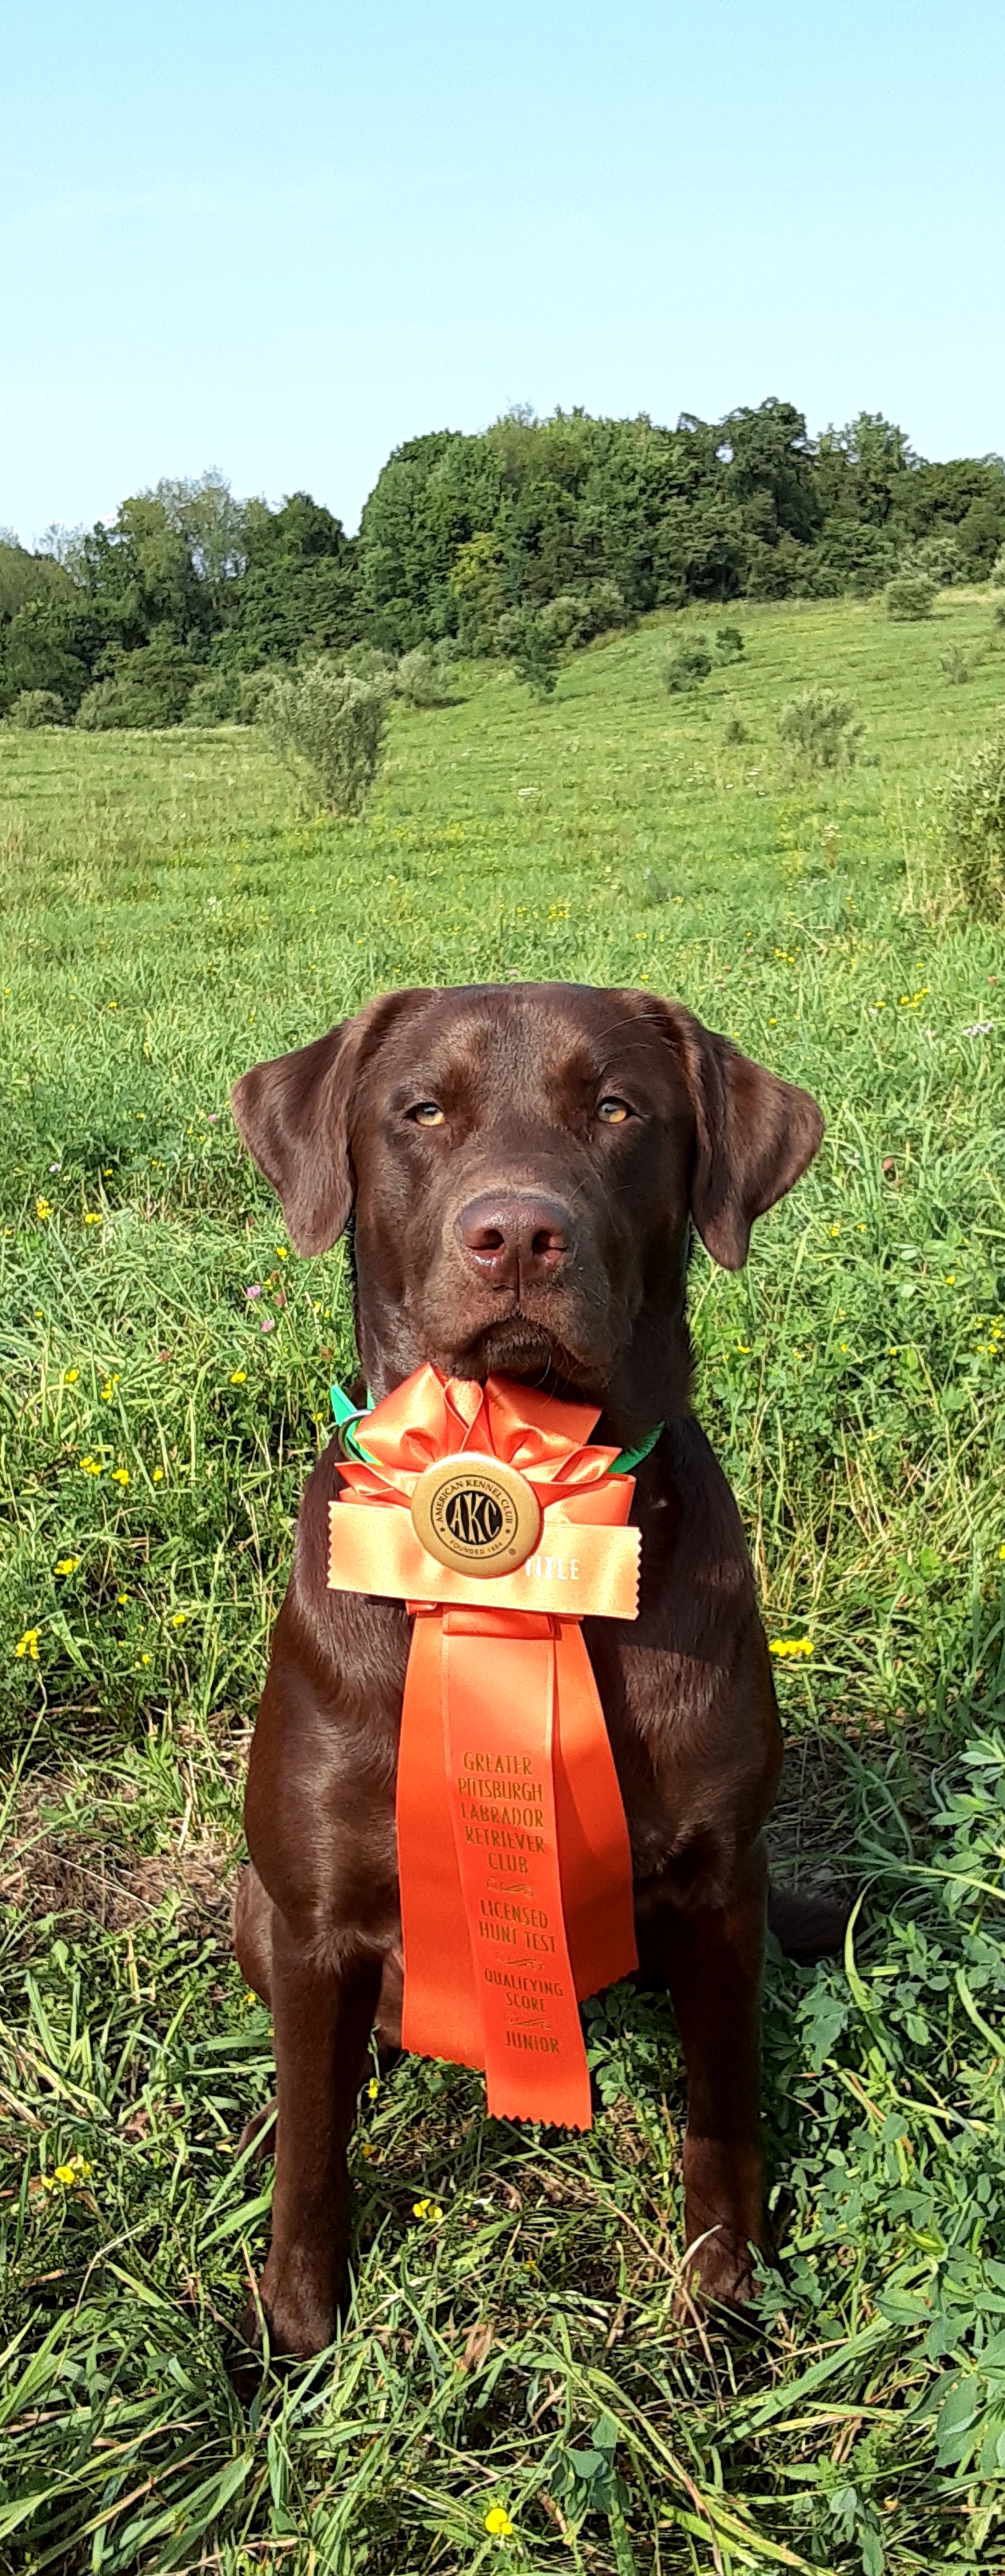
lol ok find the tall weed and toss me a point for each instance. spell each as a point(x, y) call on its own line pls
point(333, 721)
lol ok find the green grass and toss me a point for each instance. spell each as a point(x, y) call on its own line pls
point(173, 910)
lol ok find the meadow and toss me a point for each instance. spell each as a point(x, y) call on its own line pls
point(514, 2386)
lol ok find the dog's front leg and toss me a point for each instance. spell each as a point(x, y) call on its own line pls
point(323, 2008)
point(713, 1961)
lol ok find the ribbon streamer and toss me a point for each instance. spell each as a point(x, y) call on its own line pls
point(513, 1854)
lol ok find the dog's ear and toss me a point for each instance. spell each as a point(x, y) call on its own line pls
point(754, 1135)
point(295, 1114)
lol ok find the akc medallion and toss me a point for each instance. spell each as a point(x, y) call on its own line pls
point(476, 1515)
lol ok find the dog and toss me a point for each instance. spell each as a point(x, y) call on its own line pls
point(521, 1167)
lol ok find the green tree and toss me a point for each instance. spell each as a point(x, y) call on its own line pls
point(147, 689)
point(475, 583)
point(298, 591)
point(212, 525)
point(50, 643)
point(25, 577)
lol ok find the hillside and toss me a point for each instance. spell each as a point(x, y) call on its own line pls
point(173, 910)
point(167, 609)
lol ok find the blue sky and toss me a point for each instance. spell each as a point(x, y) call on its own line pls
point(281, 239)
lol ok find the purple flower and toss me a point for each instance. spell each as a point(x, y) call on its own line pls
point(252, 1292)
point(267, 1323)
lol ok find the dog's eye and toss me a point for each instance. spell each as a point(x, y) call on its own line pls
point(427, 1114)
point(613, 1112)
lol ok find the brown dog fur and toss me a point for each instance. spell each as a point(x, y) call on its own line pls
point(520, 1231)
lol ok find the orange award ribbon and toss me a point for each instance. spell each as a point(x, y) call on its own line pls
point(488, 1512)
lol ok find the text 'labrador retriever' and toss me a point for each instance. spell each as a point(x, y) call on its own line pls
point(522, 1166)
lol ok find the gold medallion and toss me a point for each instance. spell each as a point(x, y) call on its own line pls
point(476, 1515)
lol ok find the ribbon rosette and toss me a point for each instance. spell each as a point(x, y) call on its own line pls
point(513, 1855)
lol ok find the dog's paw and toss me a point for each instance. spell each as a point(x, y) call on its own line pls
point(717, 2271)
point(266, 2337)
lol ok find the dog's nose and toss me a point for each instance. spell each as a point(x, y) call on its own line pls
point(514, 1237)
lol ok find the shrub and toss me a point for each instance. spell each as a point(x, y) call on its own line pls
point(215, 699)
point(228, 696)
point(535, 650)
point(974, 830)
point(148, 689)
point(998, 613)
point(818, 731)
point(954, 664)
point(997, 574)
point(602, 609)
point(910, 596)
point(333, 720)
point(368, 662)
point(734, 729)
point(939, 558)
point(420, 678)
point(728, 643)
point(34, 708)
point(687, 666)
point(560, 620)
point(576, 616)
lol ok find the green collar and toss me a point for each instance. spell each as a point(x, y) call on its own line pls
point(347, 1414)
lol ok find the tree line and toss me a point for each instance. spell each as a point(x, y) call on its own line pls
point(468, 543)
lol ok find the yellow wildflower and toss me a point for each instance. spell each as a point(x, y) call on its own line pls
point(427, 2209)
point(42, 1208)
point(67, 1565)
point(70, 1377)
point(179, 1618)
point(280, 1252)
point(498, 2523)
point(238, 1377)
point(158, 1477)
point(791, 1646)
point(28, 1645)
point(120, 1475)
point(92, 1466)
point(144, 1659)
point(92, 1216)
point(373, 2087)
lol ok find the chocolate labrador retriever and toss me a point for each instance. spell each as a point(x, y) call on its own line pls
point(521, 1166)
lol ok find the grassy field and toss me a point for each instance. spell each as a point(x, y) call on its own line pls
point(173, 910)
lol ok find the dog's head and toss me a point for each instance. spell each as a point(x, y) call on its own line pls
point(524, 1162)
